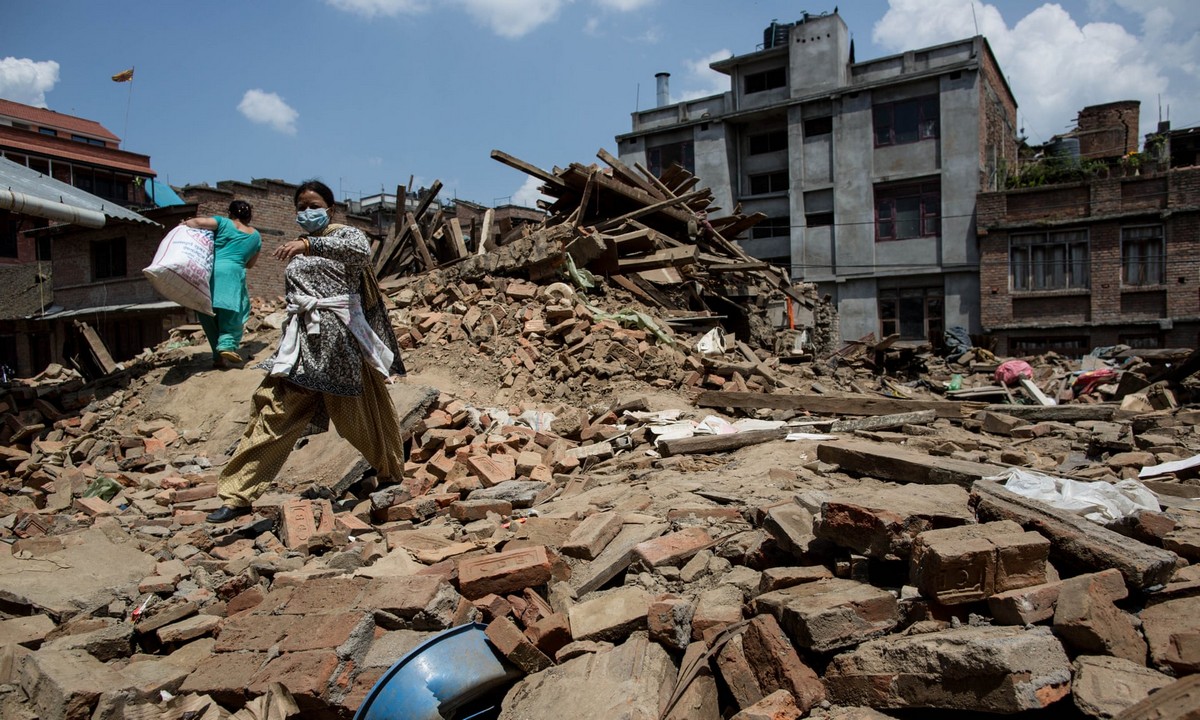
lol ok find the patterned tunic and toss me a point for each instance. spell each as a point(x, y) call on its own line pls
point(337, 264)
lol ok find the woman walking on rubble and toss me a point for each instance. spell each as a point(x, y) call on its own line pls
point(236, 247)
point(334, 359)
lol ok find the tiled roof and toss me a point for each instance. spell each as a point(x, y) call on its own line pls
point(49, 118)
point(26, 141)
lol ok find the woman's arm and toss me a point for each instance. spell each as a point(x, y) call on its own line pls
point(201, 223)
point(346, 244)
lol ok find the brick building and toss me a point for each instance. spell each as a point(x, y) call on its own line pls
point(79, 152)
point(274, 218)
point(1104, 260)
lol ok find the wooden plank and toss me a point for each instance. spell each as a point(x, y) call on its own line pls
point(883, 422)
point(887, 461)
point(637, 195)
point(528, 169)
point(632, 287)
point(834, 405)
point(737, 267)
point(624, 172)
point(1076, 545)
point(671, 257)
point(99, 351)
point(456, 237)
point(419, 242)
point(485, 233)
point(1035, 392)
point(699, 444)
point(654, 207)
point(1058, 413)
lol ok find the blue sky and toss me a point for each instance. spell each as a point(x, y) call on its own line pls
point(366, 93)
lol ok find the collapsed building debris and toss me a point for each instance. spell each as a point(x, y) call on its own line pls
point(648, 519)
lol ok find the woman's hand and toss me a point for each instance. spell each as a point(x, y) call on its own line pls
point(291, 249)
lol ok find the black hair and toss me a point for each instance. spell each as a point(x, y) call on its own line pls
point(316, 186)
point(240, 210)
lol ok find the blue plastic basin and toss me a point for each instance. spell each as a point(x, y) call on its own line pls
point(440, 679)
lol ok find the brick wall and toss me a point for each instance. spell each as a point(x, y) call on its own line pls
point(274, 218)
point(997, 124)
point(1109, 312)
point(1109, 130)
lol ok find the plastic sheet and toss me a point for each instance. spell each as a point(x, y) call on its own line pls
point(1100, 502)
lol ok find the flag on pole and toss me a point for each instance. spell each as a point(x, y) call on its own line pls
point(123, 76)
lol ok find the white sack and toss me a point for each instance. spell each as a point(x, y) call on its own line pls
point(182, 268)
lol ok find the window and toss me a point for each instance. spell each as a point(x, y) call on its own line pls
point(664, 156)
point(1072, 347)
point(765, 80)
point(1143, 255)
point(87, 140)
point(818, 208)
point(48, 131)
point(1050, 261)
point(913, 313)
point(10, 226)
point(768, 142)
point(818, 126)
point(771, 228)
point(108, 258)
point(908, 211)
point(906, 121)
point(772, 182)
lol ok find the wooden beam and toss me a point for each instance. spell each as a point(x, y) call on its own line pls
point(456, 237)
point(1076, 544)
point(883, 422)
point(698, 444)
point(1058, 413)
point(623, 171)
point(887, 461)
point(661, 205)
point(1035, 392)
point(419, 242)
point(834, 405)
point(528, 169)
point(99, 351)
point(485, 233)
point(671, 257)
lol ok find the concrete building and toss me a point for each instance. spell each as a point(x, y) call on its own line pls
point(866, 172)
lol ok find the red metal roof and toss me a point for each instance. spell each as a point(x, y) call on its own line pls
point(48, 118)
point(57, 147)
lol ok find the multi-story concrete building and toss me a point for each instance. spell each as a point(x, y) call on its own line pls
point(866, 172)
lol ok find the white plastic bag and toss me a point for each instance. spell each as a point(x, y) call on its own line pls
point(182, 268)
point(1099, 501)
point(713, 343)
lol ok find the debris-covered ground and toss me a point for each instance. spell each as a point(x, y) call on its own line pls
point(646, 519)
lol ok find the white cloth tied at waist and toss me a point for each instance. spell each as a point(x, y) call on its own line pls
point(347, 308)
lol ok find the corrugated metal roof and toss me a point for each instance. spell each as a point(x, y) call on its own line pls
point(49, 118)
point(21, 179)
point(59, 313)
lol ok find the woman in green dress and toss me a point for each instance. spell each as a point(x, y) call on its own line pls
point(236, 247)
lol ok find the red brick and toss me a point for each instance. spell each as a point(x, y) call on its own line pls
point(505, 572)
point(402, 596)
point(95, 507)
point(513, 644)
point(248, 599)
point(326, 632)
point(592, 535)
point(550, 633)
point(252, 632)
point(192, 494)
point(492, 606)
point(672, 548)
point(223, 676)
point(306, 675)
point(491, 471)
point(298, 523)
point(466, 511)
point(324, 595)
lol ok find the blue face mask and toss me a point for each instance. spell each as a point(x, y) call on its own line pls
point(313, 219)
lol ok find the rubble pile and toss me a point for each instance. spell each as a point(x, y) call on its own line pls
point(648, 513)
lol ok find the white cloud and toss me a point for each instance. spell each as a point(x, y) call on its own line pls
point(27, 81)
point(267, 108)
point(386, 8)
point(512, 18)
point(701, 80)
point(1056, 66)
point(623, 5)
point(528, 194)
